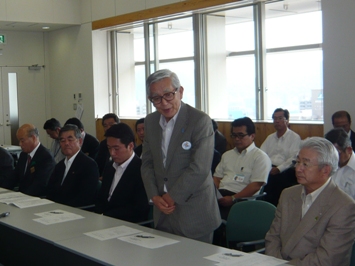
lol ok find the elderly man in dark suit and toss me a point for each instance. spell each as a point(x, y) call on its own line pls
point(75, 179)
point(315, 221)
point(6, 166)
point(35, 165)
point(90, 145)
point(176, 162)
point(122, 194)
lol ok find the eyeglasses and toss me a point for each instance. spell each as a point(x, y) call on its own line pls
point(305, 165)
point(238, 136)
point(169, 96)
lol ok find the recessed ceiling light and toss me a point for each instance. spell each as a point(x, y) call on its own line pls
point(45, 28)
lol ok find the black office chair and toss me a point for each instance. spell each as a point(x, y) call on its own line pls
point(91, 207)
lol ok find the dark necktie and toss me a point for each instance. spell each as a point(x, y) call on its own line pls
point(28, 161)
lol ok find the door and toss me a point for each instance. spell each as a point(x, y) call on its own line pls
point(22, 98)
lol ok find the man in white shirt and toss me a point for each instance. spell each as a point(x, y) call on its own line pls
point(315, 221)
point(282, 147)
point(243, 170)
point(344, 177)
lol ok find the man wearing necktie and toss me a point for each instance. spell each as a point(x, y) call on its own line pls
point(75, 179)
point(35, 164)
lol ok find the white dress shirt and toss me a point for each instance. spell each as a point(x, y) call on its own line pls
point(120, 168)
point(237, 170)
point(282, 150)
point(344, 177)
point(68, 164)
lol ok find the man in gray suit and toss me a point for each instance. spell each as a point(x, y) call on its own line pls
point(315, 221)
point(176, 162)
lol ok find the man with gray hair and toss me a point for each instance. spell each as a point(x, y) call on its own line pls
point(344, 177)
point(74, 181)
point(176, 162)
point(315, 221)
point(35, 165)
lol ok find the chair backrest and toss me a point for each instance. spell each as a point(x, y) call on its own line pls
point(352, 256)
point(249, 220)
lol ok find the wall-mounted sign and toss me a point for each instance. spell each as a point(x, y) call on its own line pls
point(2, 38)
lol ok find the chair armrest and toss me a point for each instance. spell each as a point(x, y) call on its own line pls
point(252, 197)
point(87, 207)
point(248, 243)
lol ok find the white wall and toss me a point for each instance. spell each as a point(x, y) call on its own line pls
point(70, 66)
point(339, 58)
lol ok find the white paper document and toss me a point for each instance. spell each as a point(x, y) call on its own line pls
point(113, 232)
point(11, 197)
point(235, 257)
point(31, 202)
point(56, 216)
point(148, 240)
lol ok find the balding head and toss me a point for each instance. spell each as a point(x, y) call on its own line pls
point(28, 137)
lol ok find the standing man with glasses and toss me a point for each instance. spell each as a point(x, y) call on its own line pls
point(315, 221)
point(176, 162)
point(243, 170)
point(282, 147)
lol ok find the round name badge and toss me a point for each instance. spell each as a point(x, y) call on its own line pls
point(186, 145)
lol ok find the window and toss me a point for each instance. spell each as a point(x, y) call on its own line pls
point(242, 61)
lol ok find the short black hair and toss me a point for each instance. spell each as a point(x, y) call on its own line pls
point(121, 131)
point(340, 137)
point(139, 121)
point(52, 124)
point(340, 114)
point(286, 113)
point(71, 127)
point(75, 121)
point(110, 115)
point(245, 121)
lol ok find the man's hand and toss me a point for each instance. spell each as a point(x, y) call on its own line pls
point(274, 171)
point(226, 201)
point(162, 205)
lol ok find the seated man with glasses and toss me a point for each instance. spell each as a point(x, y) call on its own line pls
point(315, 221)
point(242, 171)
point(282, 147)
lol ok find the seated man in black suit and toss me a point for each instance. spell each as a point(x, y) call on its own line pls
point(6, 166)
point(103, 156)
point(74, 180)
point(35, 165)
point(122, 194)
point(140, 133)
point(90, 144)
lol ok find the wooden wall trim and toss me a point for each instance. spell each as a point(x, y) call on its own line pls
point(161, 11)
point(263, 129)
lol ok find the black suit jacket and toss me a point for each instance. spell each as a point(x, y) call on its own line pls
point(6, 166)
point(103, 156)
point(129, 201)
point(80, 184)
point(352, 138)
point(34, 181)
point(138, 150)
point(220, 142)
point(90, 146)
